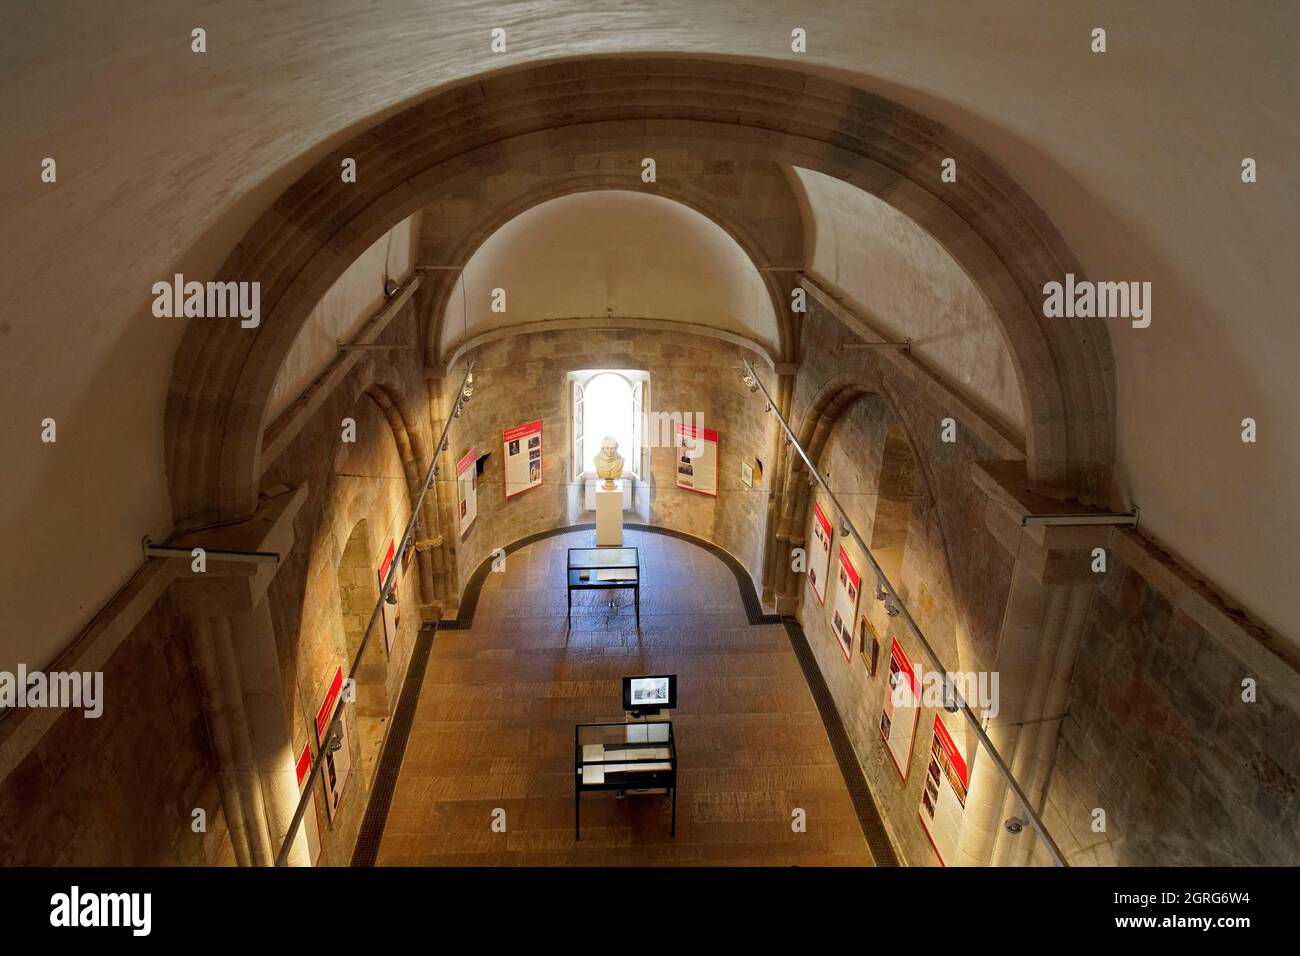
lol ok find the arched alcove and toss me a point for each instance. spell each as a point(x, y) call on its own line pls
point(877, 478)
point(609, 254)
point(358, 591)
point(223, 374)
point(892, 511)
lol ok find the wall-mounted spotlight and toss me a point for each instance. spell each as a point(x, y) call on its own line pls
point(949, 695)
point(336, 737)
point(468, 391)
point(844, 527)
point(751, 383)
point(460, 407)
point(391, 599)
point(445, 442)
point(890, 607)
point(1014, 825)
point(880, 590)
point(391, 289)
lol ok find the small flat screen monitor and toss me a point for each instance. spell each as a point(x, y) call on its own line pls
point(656, 692)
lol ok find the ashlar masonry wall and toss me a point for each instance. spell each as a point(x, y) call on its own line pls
point(524, 378)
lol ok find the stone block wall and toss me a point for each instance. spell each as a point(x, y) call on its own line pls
point(980, 570)
point(1155, 733)
point(1158, 736)
point(954, 576)
point(348, 483)
point(524, 378)
point(120, 789)
point(853, 456)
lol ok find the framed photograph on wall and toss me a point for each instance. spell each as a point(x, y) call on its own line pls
point(868, 643)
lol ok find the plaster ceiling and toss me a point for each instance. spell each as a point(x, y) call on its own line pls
point(610, 253)
point(165, 157)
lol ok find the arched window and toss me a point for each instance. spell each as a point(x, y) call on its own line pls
point(607, 402)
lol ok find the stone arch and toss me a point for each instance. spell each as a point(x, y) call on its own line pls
point(429, 558)
point(828, 408)
point(223, 373)
point(358, 591)
point(892, 514)
point(773, 243)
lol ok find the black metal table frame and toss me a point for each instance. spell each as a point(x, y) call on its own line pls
point(634, 585)
point(655, 784)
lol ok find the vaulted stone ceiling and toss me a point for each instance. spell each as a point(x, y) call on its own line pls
point(610, 254)
point(166, 158)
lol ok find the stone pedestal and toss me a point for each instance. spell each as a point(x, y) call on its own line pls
point(609, 516)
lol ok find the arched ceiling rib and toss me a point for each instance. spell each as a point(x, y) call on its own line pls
point(900, 279)
point(610, 253)
point(166, 158)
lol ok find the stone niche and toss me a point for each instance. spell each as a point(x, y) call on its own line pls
point(525, 379)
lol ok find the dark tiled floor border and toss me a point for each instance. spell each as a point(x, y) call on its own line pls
point(371, 834)
point(744, 583)
point(390, 760)
point(873, 828)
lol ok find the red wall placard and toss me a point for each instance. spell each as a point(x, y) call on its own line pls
point(523, 469)
point(901, 711)
point(819, 553)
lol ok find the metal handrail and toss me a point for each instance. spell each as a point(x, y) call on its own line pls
point(883, 580)
point(408, 538)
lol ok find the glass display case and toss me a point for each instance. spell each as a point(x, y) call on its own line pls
point(603, 569)
point(624, 757)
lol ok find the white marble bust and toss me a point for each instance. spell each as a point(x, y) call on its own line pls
point(608, 462)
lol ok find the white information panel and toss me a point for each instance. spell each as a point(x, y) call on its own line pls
point(311, 822)
point(819, 553)
point(846, 603)
point(943, 801)
point(697, 459)
point(901, 711)
point(392, 612)
point(467, 488)
point(337, 762)
point(523, 445)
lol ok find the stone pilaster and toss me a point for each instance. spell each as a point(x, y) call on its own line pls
point(238, 664)
point(1051, 586)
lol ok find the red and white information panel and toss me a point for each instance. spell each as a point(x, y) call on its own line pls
point(846, 603)
point(392, 612)
point(337, 762)
point(819, 553)
point(697, 459)
point(467, 488)
point(902, 709)
point(943, 801)
point(523, 445)
point(310, 822)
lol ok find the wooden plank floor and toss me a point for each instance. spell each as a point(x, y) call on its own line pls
point(494, 727)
